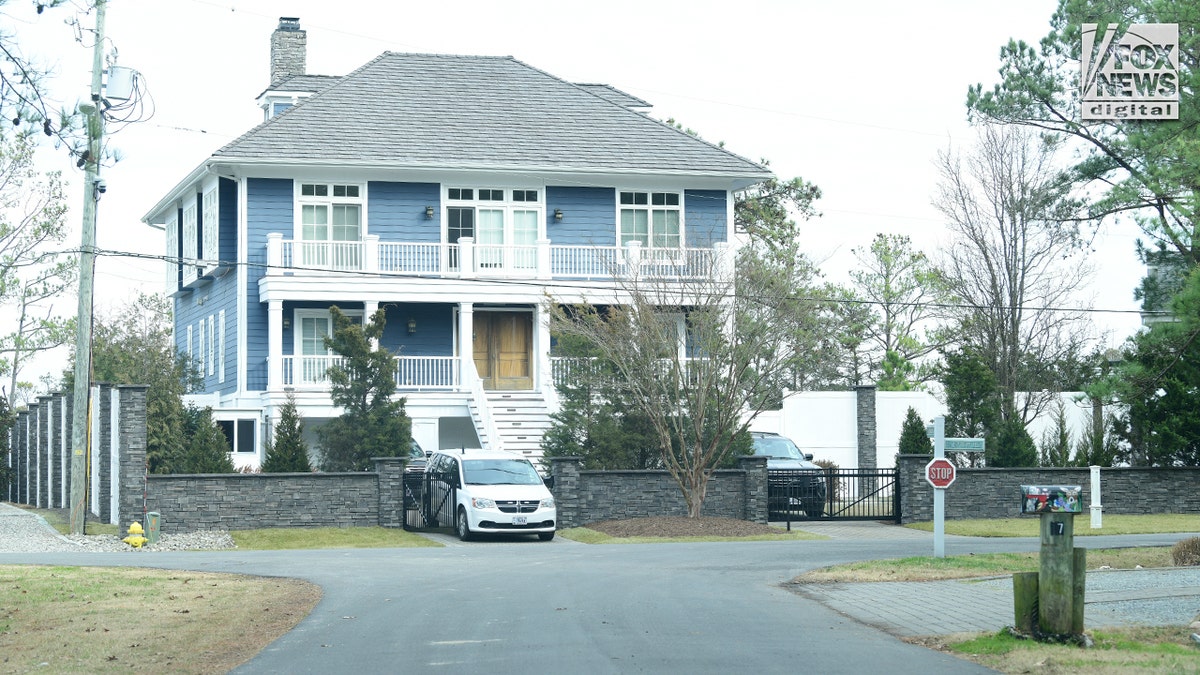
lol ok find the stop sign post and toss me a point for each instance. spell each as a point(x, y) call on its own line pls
point(940, 473)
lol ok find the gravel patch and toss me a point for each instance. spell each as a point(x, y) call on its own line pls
point(24, 532)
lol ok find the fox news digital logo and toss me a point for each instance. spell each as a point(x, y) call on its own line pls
point(1130, 76)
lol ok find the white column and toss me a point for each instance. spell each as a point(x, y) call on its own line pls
point(369, 309)
point(466, 341)
point(274, 345)
point(274, 253)
point(466, 257)
point(543, 259)
point(541, 343)
point(370, 262)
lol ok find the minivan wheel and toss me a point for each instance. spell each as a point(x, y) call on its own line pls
point(545, 536)
point(464, 527)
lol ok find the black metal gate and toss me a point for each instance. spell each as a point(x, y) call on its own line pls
point(423, 504)
point(833, 494)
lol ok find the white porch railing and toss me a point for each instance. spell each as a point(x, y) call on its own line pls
point(468, 259)
point(412, 372)
point(575, 369)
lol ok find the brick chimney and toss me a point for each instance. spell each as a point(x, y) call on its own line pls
point(289, 49)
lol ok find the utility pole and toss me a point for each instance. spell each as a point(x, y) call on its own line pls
point(80, 419)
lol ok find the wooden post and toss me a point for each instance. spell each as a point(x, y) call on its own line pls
point(1079, 583)
point(1025, 601)
point(1056, 574)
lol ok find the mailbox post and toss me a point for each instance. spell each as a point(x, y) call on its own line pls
point(1059, 586)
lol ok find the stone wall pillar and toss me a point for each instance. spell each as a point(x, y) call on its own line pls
point(390, 471)
point(130, 467)
point(867, 442)
point(50, 424)
point(916, 494)
point(21, 457)
point(565, 471)
point(755, 488)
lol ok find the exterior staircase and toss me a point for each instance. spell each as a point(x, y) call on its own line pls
point(520, 418)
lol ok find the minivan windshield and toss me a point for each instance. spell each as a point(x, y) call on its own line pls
point(500, 472)
point(777, 447)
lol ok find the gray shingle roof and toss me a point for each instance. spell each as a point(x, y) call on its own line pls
point(428, 110)
point(311, 83)
point(611, 93)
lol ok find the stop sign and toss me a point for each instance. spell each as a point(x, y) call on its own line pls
point(940, 473)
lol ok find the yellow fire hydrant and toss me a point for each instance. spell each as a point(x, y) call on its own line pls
point(135, 538)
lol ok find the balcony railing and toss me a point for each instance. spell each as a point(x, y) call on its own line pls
point(412, 372)
point(565, 370)
point(468, 259)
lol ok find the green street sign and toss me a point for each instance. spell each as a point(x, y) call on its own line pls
point(964, 444)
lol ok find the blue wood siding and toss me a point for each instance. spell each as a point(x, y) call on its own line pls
point(705, 217)
point(435, 327)
point(269, 208)
point(589, 215)
point(434, 335)
point(396, 211)
point(205, 303)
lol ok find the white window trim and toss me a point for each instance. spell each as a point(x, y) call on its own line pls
point(189, 344)
point(221, 347)
point(172, 263)
point(650, 207)
point(507, 205)
point(300, 200)
point(189, 243)
point(210, 218)
point(298, 317)
point(200, 348)
point(212, 348)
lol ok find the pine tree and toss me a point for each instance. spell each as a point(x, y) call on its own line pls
point(372, 424)
point(287, 452)
point(913, 439)
point(206, 448)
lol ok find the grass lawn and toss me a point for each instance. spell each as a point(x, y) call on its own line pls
point(1028, 526)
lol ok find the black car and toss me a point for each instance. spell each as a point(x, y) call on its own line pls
point(794, 483)
point(416, 459)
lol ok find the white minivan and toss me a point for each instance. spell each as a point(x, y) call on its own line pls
point(488, 491)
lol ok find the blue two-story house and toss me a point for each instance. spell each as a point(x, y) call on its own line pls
point(454, 192)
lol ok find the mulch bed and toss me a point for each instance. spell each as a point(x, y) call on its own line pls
point(680, 526)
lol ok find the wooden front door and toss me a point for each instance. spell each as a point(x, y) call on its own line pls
point(504, 349)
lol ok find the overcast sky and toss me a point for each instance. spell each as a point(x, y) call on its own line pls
point(856, 97)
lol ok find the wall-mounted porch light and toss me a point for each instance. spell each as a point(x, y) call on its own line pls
point(558, 214)
point(287, 323)
point(412, 325)
point(428, 213)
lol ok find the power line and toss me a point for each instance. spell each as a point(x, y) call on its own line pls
point(582, 285)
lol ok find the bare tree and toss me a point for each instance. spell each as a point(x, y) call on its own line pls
point(1014, 264)
point(701, 348)
point(33, 270)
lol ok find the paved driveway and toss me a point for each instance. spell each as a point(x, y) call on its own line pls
point(533, 607)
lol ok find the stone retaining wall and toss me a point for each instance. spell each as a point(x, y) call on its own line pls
point(590, 496)
point(995, 493)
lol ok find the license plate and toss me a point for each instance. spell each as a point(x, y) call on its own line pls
point(519, 520)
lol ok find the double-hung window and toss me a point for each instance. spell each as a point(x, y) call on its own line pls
point(314, 357)
point(330, 226)
point(504, 224)
point(652, 219)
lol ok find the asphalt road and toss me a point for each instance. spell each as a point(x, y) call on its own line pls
point(530, 607)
